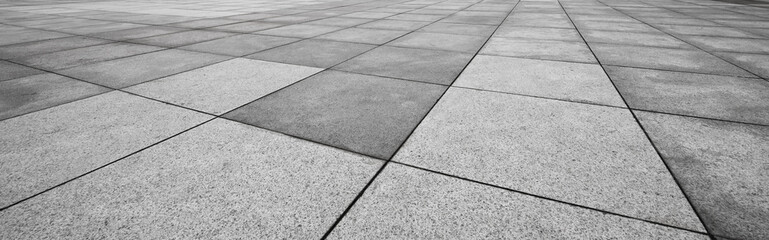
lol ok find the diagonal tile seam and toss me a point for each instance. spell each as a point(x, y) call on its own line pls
point(687, 42)
point(675, 179)
point(725, 9)
point(368, 184)
point(545, 198)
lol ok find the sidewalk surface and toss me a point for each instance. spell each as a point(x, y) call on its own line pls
point(398, 119)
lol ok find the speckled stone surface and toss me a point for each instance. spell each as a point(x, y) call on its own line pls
point(406, 203)
point(590, 155)
point(45, 148)
point(28, 94)
point(220, 180)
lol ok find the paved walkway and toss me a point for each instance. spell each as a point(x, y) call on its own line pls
point(423, 119)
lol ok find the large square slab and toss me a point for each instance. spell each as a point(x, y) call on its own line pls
point(363, 35)
point(562, 80)
point(539, 49)
point(588, 155)
point(711, 96)
point(182, 38)
point(665, 59)
point(559, 34)
point(406, 203)
point(458, 28)
point(81, 56)
point(728, 44)
point(441, 41)
point(47, 46)
point(240, 45)
point(227, 179)
point(313, 53)
point(300, 30)
point(45, 148)
point(634, 38)
point(128, 71)
point(365, 114)
point(140, 32)
point(28, 94)
point(246, 27)
point(224, 86)
point(721, 166)
point(28, 35)
point(394, 25)
point(431, 66)
point(755, 63)
point(9, 70)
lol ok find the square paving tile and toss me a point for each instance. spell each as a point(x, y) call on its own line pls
point(615, 26)
point(340, 21)
point(744, 45)
point(365, 114)
point(480, 20)
point(417, 17)
point(240, 45)
point(220, 177)
point(224, 86)
point(28, 35)
point(721, 166)
point(584, 154)
point(431, 66)
point(711, 96)
point(46, 46)
point(313, 53)
point(441, 41)
point(28, 94)
point(9, 70)
point(81, 56)
point(205, 23)
point(406, 203)
point(559, 34)
point(140, 32)
point(300, 30)
point(48, 147)
point(539, 49)
point(706, 31)
point(458, 28)
point(128, 71)
point(182, 38)
point(363, 35)
point(394, 25)
point(634, 38)
point(755, 63)
point(246, 27)
point(562, 80)
point(665, 59)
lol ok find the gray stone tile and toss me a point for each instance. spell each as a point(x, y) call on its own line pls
point(240, 45)
point(47, 46)
point(431, 66)
point(48, 147)
point(28, 35)
point(140, 32)
point(744, 45)
point(128, 71)
point(562, 80)
point(584, 154)
point(539, 49)
point(300, 30)
point(405, 203)
point(416, 17)
point(360, 113)
point(32, 93)
point(539, 22)
point(711, 96)
point(721, 166)
point(665, 59)
point(615, 26)
point(372, 15)
point(9, 70)
point(480, 20)
point(440, 41)
point(313, 53)
point(363, 35)
point(340, 21)
point(220, 178)
point(706, 31)
point(86, 55)
point(755, 63)
point(289, 19)
point(559, 34)
point(205, 23)
point(224, 86)
point(634, 38)
point(394, 25)
point(458, 28)
point(107, 27)
point(182, 38)
point(247, 27)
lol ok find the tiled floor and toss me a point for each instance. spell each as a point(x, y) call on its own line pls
point(398, 119)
